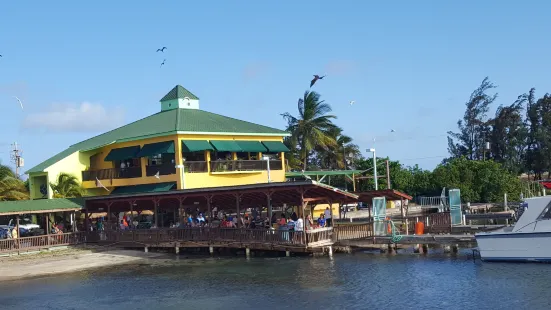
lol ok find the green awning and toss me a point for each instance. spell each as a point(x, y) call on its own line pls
point(123, 153)
point(251, 146)
point(275, 146)
point(226, 146)
point(189, 146)
point(144, 188)
point(165, 147)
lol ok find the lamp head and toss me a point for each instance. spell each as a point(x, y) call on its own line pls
point(372, 150)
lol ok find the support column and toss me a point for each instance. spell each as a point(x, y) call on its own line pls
point(209, 210)
point(156, 202)
point(181, 217)
point(211, 250)
point(86, 221)
point(177, 249)
point(331, 212)
point(47, 227)
point(131, 214)
point(146, 249)
point(237, 198)
point(17, 230)
point(288, 253)
point(247, 252)
point(269, 204)
point(109, 214)
point(330, 251)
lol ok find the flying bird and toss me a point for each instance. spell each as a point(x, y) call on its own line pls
point(20, 103)
point(315, 79)
point(161, 49)
point(158, 175)
point(392, 130)
point(163, 62)
point(352, 102)
point(98, 184)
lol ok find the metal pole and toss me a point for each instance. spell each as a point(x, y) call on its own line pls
point(375, 170)
point(268, 168)
point(344, 161)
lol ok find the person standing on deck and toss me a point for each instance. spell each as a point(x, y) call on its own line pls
point(327, 214)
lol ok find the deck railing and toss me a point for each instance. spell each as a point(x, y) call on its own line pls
point(207, 234)
point(164, 169)
point(244, 165)
point(195, 166)
point(36, 243)
point(112, 173)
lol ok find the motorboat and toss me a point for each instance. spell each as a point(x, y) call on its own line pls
point(528, 240)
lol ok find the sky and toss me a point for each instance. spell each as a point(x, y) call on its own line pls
point(82, 68)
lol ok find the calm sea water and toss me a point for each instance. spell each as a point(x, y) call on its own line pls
point(359, 281)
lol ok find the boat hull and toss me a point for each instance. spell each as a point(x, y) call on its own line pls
point(517, 247)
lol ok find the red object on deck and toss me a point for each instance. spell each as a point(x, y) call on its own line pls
point(419, 228)
point(546, 184)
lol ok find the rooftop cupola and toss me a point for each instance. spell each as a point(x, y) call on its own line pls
point(179, 98)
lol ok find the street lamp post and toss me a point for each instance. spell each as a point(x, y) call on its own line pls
point(345, 168)
point(267, 159)
point(374, 168)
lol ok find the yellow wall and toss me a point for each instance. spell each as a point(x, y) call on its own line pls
point(35, 181)
point(80, 161)
point(319, 209)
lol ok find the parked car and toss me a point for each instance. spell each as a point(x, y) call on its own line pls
point(25, 223)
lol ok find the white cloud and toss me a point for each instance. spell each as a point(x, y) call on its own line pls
point(84, 117)
point(340, 67)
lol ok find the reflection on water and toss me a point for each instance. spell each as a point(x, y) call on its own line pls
point(361, 281)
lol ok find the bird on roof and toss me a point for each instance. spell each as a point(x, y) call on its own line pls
point(352, 102)
point(19, 100)
point(158, 175)
point(315, 79)
point(161, 49)
point(163, 62)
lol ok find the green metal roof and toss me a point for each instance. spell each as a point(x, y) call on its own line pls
point(165, 147)
point(251, 146)
point(179, 92)
point(123, 153)
point(322, 173)
point(40, 205)
point(196, 145)
point(144, 188)
point(184, 121)
point(275, 146)
point(226, 146)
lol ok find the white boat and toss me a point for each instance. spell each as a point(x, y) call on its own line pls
point(528, 240)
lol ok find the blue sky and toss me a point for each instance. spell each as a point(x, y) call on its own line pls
point(82, 68)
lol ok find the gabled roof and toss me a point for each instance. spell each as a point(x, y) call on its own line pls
point(178, 92)
point(40, 206)
point(183, 121)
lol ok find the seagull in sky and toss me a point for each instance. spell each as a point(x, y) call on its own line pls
point(161, 49)
point(158, 175)
point(315, 79)
point(163, 62)
point(352, 102)
point(392, 130)
point(19, 100)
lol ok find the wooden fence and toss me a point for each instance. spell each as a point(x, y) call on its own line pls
point(37, 243)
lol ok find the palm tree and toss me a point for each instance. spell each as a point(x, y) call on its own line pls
point(312, 126)
point(67, 186)
point(11, 187)
point(343, 150)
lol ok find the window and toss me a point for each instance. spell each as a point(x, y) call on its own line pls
point(546, 214)
point(194, 156)
point(223, 155)
point(161, 159)
point(155, 160)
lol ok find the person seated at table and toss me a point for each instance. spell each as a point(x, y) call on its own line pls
point(321, 220)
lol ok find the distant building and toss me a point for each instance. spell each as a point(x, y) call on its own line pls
point(181, 147)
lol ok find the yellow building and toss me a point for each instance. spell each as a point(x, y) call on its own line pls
point(181, 147)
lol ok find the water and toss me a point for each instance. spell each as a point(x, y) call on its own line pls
point(359, 281)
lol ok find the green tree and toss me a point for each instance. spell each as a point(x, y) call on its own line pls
point(67, 186)
point(11, 187)
point(335, 155)
point(474, 128)
point(312, 126)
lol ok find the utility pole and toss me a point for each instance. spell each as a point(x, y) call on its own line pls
point(345, 168)
point(16, 158)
